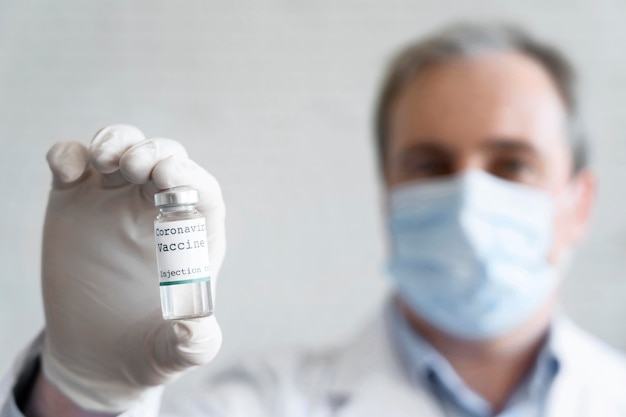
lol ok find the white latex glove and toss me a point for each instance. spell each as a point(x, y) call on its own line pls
point(105, 341)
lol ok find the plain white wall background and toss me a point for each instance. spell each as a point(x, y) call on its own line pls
point(275, 99)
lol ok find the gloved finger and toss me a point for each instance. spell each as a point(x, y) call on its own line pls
point(136, 163)
point(176, 171)
point(114, 179)
point(69, 162)
point(110, 143)
point(186, 343)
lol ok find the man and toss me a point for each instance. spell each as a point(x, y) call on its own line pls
point(488, 191)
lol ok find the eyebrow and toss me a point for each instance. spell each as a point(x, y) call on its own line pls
point(513, 145)
point(503, 144)
point(431, 146)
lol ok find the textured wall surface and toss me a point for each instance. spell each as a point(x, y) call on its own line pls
point(274, 98)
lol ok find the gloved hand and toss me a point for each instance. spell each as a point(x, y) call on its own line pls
point(105, 340)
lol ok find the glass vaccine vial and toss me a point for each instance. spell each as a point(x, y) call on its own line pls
point(182, 255)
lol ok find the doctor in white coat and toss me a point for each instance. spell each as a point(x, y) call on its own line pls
point(488, 191)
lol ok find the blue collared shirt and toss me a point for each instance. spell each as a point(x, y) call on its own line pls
point(426, 366)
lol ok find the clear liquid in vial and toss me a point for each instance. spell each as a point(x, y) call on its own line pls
point(184, 301)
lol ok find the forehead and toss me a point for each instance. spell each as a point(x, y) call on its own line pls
point(467, 100)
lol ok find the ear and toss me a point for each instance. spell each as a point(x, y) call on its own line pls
point(581, 202)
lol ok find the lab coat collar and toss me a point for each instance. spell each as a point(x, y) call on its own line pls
point(369, 379)
point(423, 362)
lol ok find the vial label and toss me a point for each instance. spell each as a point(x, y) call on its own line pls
point(182, 252)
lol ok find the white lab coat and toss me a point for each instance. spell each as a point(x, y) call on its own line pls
point(364, 379)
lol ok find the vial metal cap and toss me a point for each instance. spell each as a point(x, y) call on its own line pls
point(176, 196)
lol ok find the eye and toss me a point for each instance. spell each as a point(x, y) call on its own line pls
point(421, 167)
point(421, 160)
point(512, 168)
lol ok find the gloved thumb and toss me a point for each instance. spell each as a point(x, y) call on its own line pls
point(170, 348)
point(182, 344)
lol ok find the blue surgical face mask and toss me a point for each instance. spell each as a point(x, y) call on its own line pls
point(470, 252)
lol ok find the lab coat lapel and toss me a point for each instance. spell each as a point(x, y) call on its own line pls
point(565, 398)
point(569, 397)
point(382, 396)
point(372, 383)
point(580, 389)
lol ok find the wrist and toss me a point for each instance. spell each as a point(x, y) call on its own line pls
point(46, 400)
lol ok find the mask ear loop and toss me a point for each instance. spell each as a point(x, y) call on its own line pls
point(567, 198)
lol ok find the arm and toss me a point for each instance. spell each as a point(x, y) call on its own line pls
point(106, 345)
point(46, 400)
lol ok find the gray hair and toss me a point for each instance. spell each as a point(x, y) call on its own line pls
point(468, 40)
